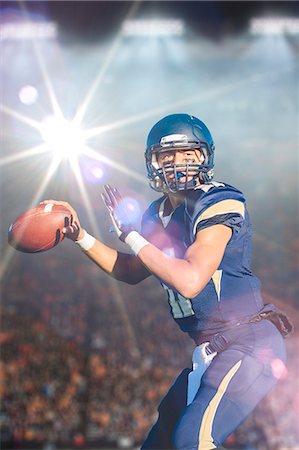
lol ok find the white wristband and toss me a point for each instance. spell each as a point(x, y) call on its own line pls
point(86, 242)
point(136, 241)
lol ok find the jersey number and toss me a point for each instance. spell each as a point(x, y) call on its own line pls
point(180, 306)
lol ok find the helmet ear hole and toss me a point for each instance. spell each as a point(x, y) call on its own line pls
point(202, 157)
point(157, 184)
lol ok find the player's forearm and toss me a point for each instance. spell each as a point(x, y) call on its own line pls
point(190, 274)
point(121, 266)
point(103, 256)
point(176, 273)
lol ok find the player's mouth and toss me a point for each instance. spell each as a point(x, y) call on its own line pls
point(173, 174)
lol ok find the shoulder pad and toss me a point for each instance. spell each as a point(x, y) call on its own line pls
point(218, 200)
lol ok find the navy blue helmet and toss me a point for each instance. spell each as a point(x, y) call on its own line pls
point(179, 132)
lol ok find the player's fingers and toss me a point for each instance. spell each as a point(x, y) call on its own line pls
point(117, 195)
point(65, 230)
point(61, 203)
point(107, 203)
point(111, 195)
point(66, 221)
point(108, 196)
point(107, 199)
point(69, 230)
point(57, 202)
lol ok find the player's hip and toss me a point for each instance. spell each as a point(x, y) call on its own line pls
point(251, 335)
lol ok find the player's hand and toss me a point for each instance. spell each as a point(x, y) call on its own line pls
point(72, 229)
point(118, 212)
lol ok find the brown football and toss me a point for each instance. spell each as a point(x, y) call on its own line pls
point(38, 229)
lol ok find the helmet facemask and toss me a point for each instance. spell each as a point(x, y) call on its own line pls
point(180, 177)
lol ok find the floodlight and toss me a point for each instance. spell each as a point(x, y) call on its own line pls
point(156, 27)
point(274, 26)
point(28, 30)
point(62, 137)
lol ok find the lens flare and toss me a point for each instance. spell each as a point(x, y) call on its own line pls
point(129, 210)
point(97, 172)
point(94, 172)
point(28, 95)
point(279, 369)
point(62, 137)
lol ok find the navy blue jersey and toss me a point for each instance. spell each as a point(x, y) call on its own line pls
point(233, 293)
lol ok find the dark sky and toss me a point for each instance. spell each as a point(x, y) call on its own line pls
point(90, 20)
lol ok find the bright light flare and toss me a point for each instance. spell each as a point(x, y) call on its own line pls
point(279, 369)
point(28, 95)
point(156, 27)
point(97, 172)
point(28, 30)
point(62, 137)
point(93, 172)
point(129, 210)
point(274, 26)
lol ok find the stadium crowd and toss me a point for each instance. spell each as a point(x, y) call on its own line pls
point(85, 361)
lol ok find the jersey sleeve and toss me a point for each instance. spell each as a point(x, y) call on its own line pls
point(225, 206)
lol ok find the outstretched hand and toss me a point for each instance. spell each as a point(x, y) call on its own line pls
point(118, 212)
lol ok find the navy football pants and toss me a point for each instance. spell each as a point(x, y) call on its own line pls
point(235, 382)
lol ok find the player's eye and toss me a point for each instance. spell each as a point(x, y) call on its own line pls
point(166, 157)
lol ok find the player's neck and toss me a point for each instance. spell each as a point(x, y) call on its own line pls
point(176, 199)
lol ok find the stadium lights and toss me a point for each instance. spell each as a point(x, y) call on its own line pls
point(157, 27)
point(15, 31)
point(62, 137)
point(274, 26)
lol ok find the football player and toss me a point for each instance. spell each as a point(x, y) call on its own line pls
point(196, 239)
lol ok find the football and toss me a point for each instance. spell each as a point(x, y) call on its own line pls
point(39, 229)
